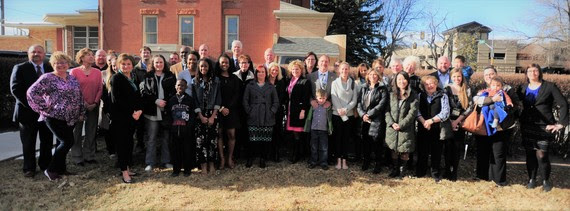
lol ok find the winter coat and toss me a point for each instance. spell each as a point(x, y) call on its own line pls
point(376, 109)
point(260, 104)
point(404, 115)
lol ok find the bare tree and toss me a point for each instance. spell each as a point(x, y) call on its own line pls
point(437, 42)
point(399, 15)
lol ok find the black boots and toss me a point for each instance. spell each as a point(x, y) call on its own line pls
point(395, 169)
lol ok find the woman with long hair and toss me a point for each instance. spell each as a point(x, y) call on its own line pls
point(156, 89)
point(230, 110)
point(278, 81)
point(372, 104)
point(207, 95)
point(344, 98)
point(461, 105)
point(401, 122)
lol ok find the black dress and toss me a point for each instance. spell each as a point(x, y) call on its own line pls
point(230, 100)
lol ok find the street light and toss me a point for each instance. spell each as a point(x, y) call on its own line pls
point(490, 47)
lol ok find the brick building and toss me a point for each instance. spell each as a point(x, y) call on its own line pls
point(165, 25)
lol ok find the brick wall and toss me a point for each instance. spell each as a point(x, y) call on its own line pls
point(36, 36)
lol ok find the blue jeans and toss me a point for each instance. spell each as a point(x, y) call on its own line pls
point(319, 147)
point(155, 133)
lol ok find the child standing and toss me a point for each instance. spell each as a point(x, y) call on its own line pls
point(180, 108)
point(319, 124)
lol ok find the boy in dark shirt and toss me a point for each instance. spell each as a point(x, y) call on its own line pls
point(180, 109)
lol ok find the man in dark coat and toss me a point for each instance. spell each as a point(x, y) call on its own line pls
point(23, 76)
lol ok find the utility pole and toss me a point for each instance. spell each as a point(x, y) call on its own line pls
point(2, 21)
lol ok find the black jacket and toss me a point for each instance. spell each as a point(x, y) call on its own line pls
point(376, 110)
point(299, 100)
point(540, 113)
point(125, 98)
point(149, 90)
point(23, 76)
point(182, 115)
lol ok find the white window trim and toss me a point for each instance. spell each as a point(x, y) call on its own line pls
point(87, 37)
point(226, 31)
point(144, 28)
point(180, 28)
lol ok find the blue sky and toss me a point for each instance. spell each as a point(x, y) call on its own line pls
point(34, 10)
point(500, 15)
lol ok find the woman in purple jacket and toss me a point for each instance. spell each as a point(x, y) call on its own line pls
point(57, 98)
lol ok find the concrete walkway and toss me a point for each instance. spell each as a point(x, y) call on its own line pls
point(11, 146)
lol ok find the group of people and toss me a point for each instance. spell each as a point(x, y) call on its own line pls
point(203, 112)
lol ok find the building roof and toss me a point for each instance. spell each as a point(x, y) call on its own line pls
point(300, 46)
point(87, 17)
point(287, 10)
point(472, 26)
point(27, 25)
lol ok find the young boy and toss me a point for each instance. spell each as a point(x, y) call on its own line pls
point(496, 111)
point(180, 108)
point(319, 124)
point(459, 62)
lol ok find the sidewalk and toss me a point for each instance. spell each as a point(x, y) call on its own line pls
point(10, 145)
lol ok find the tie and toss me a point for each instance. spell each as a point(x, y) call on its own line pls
point(237, 64)
point(39, 70)
point(323, 80)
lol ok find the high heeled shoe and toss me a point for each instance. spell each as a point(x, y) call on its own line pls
point(127, 181)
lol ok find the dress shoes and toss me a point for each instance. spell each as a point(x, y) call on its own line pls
point(29, 174)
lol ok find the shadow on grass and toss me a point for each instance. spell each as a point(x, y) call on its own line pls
point(102, 179)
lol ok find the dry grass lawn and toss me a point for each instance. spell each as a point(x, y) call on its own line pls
point(280, 186)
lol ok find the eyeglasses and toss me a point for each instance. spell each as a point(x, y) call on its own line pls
point(61, 63)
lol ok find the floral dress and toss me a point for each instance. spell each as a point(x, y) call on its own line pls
point(206, 136)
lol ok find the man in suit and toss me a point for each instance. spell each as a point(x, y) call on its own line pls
point(323, 78)
point(179, 67)
point(236, 52)
point(23, 76)
point(442, 73)
point(269, 57)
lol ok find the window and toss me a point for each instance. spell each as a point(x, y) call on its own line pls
point(150, 29)
point(85, 37)
point(49, 46)
point(232, 30)
point(499, 56)
point(186, 30)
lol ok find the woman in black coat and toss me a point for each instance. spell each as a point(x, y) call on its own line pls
point(298, 96)
point(371, 107)
point(276, 79)
point(125, 110)
point(538, 124)
point(230, 109)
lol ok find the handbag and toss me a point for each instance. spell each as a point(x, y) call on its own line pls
point(475, 123)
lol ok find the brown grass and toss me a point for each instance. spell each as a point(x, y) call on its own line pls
point(280, 186)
